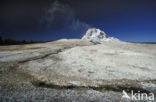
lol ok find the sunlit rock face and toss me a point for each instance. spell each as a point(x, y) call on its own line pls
point(97, 36)
point(76, 68)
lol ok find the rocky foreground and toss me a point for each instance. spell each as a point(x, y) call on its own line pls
point(76, 71)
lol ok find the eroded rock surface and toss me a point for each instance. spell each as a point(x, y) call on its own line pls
point(104, 69)
point(98, 36)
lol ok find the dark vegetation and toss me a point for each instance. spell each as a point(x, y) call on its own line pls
point(9, 41)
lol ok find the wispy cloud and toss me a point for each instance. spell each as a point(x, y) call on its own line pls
point(62, 16)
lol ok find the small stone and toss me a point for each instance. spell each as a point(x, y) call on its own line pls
point(73, 83)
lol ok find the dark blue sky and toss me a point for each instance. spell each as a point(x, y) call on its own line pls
point(128, 20)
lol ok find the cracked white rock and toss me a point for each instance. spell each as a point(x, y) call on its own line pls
point(73, 83)
point(84, 62)
point(97, 36)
